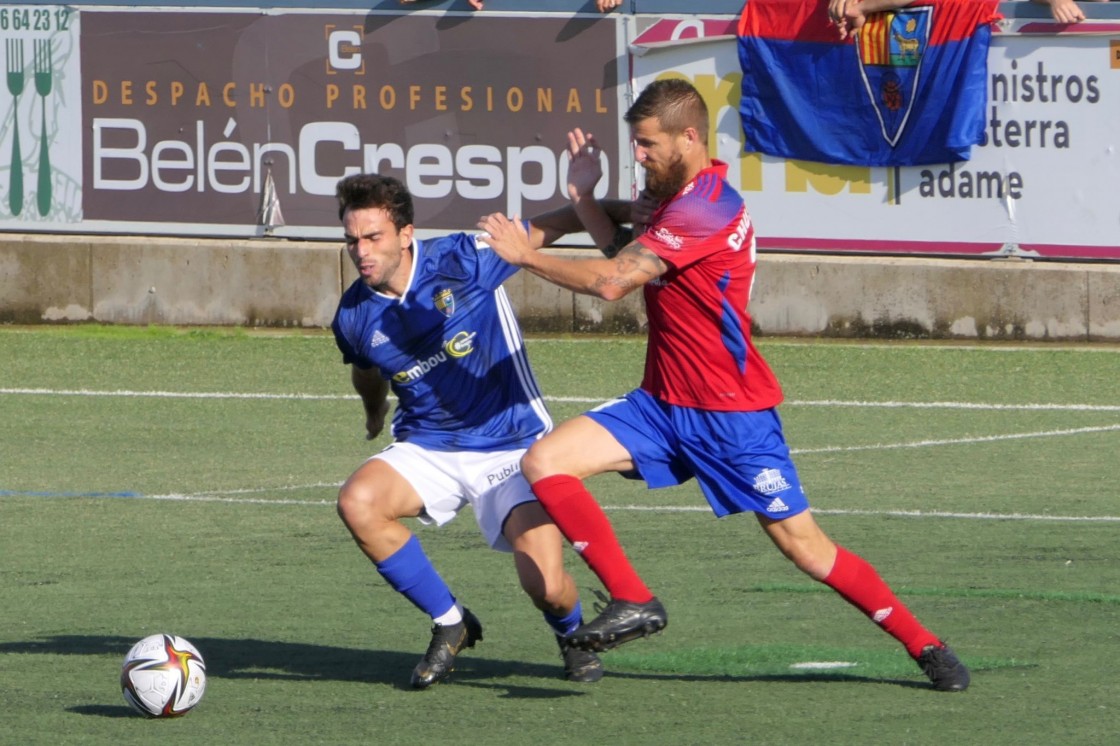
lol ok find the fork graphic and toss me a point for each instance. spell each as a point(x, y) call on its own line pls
point(43, 63)
point(15, 87)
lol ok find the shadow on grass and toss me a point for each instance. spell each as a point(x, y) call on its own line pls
point(248, 658)
point(105, 711)
point(253, 659)
point(772, 678)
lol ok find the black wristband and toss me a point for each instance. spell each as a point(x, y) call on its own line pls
point(622, 237)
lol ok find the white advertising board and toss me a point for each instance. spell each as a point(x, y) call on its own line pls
point(1044, 183)
point(40, 122)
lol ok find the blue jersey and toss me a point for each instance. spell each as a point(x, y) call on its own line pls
point(450, 348)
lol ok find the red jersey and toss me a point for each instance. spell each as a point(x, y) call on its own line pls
point(700, 352)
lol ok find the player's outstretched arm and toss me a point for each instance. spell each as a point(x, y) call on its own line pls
point(373, 390)
point(549, 227)
point(609, 279)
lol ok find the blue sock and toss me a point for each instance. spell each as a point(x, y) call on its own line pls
point(410, 573)
point(563, 625)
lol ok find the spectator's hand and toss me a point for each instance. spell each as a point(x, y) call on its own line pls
point(836, 16)
point(606, 6)
point(584, 167)
point(508, 238)
point(1066, 11)
point(476, 4)
point(847, 15)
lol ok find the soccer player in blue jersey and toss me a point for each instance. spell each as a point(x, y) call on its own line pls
point(430, 319)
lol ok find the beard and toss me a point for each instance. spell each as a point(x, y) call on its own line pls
point(661, 185)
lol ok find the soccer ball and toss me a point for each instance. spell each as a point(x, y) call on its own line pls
point(163, 676)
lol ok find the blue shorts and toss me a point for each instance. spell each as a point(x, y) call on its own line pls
point(739, 459)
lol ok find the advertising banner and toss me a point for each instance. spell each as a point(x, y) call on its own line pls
point(193, 117)
point(1042, 183)
point(40, 132)
point(239, 123)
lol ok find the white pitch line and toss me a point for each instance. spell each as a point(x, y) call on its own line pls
point(217, 497)
point(976, 516)
point(173, 394)
point(892, 513)
point(226, 496)
point(286, 488)
point(1027, 407)
point(126, 393)
point(958, 441)
point(918, 345)
point(174, 497)
point(955, 405)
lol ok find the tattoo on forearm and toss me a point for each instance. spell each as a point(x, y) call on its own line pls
point(603, 281)
point(634, 265)
point(637, 258)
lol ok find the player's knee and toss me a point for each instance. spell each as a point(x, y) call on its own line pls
point(548, 589)
point(812, 559)
point(537, 463)
point(356, 504)
point(803, 542)
point(814, 568)
point(548, 596)
point(347, 504)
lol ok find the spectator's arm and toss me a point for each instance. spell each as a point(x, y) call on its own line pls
point(849, 15)
point(1064, 11)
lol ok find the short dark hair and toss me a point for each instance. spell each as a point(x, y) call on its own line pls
point(675, 103)
point(362, 191)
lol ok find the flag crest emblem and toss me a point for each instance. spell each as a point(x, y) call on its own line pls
point(908, 87)
point(890, 47)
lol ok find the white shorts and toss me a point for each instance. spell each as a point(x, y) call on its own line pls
point(447, 481)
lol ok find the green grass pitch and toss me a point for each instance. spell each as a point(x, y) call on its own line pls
point(183, 481)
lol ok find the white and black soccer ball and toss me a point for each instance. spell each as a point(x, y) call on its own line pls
point(163, 676)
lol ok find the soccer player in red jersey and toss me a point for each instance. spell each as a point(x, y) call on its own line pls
point(706, 407)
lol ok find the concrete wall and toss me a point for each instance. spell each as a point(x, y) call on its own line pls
point(262, 282)
point(938, 298)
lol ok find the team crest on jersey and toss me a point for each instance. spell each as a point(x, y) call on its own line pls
point(891, 46)
point(445, 301)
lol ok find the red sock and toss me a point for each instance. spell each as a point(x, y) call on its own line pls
point(584, 524)
point(856, 580)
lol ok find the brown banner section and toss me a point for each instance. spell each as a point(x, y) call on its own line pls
point(187, 114)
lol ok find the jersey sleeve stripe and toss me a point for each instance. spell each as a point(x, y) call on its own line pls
point(520, 358)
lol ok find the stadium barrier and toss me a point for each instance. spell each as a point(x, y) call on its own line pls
point(268, 282)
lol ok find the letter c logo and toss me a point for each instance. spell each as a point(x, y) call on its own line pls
point(344, 50)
